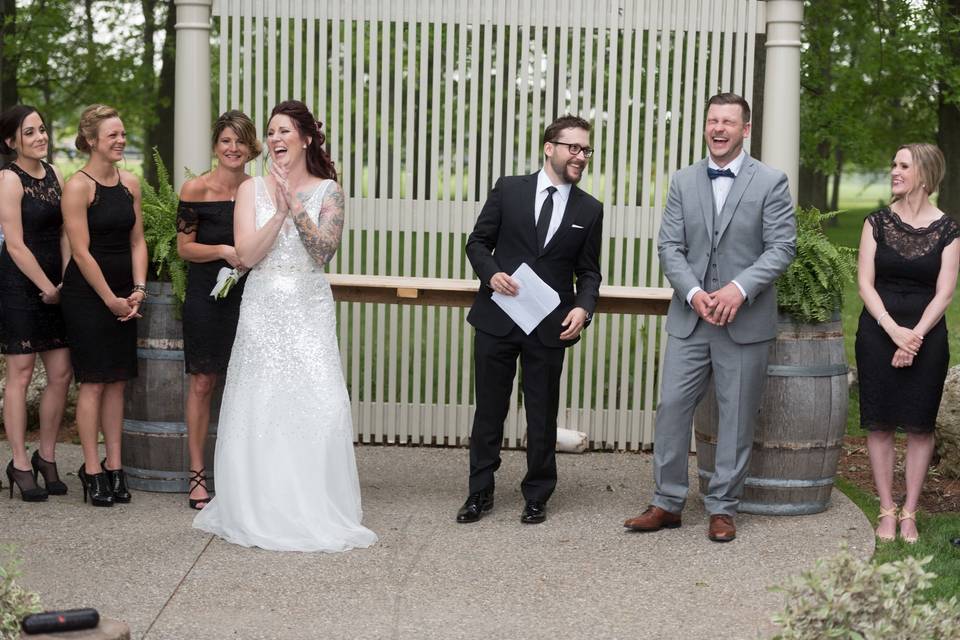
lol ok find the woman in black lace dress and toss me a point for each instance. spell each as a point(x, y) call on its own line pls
point(205, 239)
point(909, 257)
point(31, 267)
point(103, 287)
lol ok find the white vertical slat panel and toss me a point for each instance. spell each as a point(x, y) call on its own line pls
point(297, 11)
point(373, 326)
point(751, 41)
point(728, 11)
point(564, 419)
point(536, 63)
point(319, 108)
point(635, 277)
point(224, 46)
point(270, 33)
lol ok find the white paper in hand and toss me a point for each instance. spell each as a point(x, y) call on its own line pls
point(534, 301)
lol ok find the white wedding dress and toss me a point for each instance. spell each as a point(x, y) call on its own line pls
point(286, 477)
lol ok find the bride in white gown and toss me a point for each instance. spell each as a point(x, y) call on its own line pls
point(285, 470)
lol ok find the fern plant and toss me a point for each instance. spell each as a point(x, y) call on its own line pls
point(811, 290)
point(160, 229)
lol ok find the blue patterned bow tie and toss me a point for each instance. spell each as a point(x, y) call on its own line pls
point(713, 174)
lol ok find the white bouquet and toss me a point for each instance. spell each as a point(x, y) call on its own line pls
point(226, 278)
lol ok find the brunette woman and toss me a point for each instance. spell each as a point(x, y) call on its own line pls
point(205, 239)
point(31, 267)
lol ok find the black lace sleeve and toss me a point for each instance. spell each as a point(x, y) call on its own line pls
point(187, 218)
point(951, 231)
point(876, 221)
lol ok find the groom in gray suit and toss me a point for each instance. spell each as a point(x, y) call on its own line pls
point(728, 231)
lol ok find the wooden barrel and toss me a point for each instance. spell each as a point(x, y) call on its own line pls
point(155, 454)
point(800, 427)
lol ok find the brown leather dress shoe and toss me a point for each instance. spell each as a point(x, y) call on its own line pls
point(653, 519)
point(722, 528)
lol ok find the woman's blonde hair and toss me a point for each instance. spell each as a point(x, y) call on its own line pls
point(90, 121)
point(929, 163)
point(243, 126)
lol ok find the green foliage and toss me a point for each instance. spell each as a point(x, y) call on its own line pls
point(15, 602)
point(844, 597)
point(160, 229)
point(811, 290)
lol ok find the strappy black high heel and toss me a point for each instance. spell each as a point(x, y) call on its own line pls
point(97, 486)
point(198, 479)
point(48, 470)
point(117, 478)
point(29, 491)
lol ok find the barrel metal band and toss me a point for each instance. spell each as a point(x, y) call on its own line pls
point(156, 473)
point(160, 354)
point(775, 483)
point(154, 426)
point(813, 371)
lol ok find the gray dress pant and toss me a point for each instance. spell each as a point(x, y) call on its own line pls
point(739, 372)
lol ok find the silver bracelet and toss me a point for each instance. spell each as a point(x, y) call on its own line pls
point(882, 316)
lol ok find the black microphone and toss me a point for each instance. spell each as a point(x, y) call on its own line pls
point(69, 620)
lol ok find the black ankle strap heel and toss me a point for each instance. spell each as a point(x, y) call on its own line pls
point(198, 479)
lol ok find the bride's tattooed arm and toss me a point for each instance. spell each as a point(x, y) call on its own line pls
point(321, 240)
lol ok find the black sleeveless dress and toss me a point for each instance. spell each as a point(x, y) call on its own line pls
point(27, 324)
point(907, 264)
point(209, 325)
point(103, 349)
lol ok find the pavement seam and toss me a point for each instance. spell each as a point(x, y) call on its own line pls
point(177, 588)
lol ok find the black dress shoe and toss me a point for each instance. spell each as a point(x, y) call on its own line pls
point(534, 512)
point(476, 505)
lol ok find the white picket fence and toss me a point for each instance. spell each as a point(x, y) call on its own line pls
point(425, 103)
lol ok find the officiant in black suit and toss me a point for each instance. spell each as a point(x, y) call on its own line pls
point(547, 222)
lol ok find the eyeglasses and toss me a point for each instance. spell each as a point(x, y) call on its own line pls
point(576, 148)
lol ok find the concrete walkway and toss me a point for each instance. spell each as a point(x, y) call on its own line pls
point(579, 575)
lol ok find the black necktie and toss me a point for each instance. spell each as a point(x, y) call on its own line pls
point(543, 222)
point(713, 174)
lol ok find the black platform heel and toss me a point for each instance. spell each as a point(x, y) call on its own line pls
point(51, 478)
point(97, 486)
point(29, 491)
point(118, 483)
point(198, 479)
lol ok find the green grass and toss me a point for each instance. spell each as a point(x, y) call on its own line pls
point(936, 531)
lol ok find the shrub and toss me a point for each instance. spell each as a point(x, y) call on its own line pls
point(15, 602)
point(160, 229)
point(844, 597)
point(811, 290)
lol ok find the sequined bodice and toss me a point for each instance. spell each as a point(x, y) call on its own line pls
point(288, 252)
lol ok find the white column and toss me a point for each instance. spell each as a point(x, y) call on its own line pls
point(781, 94)
point(191, 128)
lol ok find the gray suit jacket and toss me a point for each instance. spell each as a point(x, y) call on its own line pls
point(753, 241)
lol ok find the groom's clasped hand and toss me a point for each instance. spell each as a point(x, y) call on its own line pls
point(720, 307)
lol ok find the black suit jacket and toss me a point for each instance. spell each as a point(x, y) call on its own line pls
point(505, 236)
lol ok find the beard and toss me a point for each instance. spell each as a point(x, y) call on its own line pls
point(563, 169)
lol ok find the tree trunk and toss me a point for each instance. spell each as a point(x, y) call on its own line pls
point(835, 192)
point(9, 95)
point(948, 112)
point(160, 132)
point(813, 183)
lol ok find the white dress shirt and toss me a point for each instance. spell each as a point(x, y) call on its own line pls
point(560, 197)
point(721, 188)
